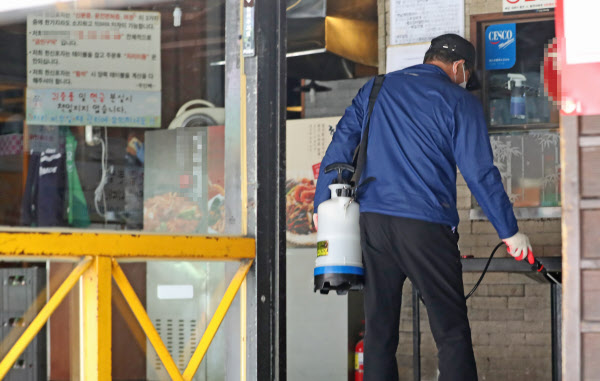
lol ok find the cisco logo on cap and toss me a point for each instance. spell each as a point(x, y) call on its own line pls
point(497, 36)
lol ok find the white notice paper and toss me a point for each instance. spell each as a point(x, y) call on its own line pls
point(399, 57)
point(419, 21)
point(94, 49)
point(581, 17)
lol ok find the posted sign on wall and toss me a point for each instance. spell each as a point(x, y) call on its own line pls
point(97, 51)
point(500, 46)
point(526, 5)
point(306, 143)
point(120, 108)
point(420, 21)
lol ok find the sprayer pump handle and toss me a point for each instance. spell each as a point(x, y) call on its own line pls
point(340, 167)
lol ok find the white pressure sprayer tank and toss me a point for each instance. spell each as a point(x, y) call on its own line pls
point(339, 257)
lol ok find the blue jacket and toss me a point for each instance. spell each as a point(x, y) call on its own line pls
point(422, 126)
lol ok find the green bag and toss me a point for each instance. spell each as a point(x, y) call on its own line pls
point(77, 210)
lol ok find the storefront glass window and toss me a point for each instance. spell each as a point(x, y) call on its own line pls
point(522, 120)
point(181, 298)
point(513, 90)
point(114, 118)
point(529, 164)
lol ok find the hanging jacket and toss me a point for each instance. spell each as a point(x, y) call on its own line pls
point(53, 194)
point(44, 198)
point(422, 127)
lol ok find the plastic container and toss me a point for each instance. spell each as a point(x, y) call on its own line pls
point(339, 257)
point(518, 108)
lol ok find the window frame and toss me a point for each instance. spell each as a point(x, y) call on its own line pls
point(478, 25)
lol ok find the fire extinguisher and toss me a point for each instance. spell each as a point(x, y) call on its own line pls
point(359, 367)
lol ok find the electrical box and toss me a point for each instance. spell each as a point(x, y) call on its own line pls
point(181, 298)
point(23, 293)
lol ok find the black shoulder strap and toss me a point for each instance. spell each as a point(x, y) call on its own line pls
point(360, 156)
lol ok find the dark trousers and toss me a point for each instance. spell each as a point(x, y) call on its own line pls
point(426, 253)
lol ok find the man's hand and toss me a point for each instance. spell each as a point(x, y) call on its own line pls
point(519, 247)
point(315, 221)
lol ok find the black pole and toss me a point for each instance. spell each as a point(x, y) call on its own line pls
point(556, 306)
point(416, 334)
point(270, 32)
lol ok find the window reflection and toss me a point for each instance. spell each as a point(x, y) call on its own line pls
point(529, 163)
point(106, 122)
point(522, 81)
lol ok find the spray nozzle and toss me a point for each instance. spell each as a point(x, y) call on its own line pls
point(340, 167)
point(517, 78)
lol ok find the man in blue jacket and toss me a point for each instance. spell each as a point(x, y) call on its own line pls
point(424, 124)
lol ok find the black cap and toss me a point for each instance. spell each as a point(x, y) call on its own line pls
point(463, 49)
point(455, 44)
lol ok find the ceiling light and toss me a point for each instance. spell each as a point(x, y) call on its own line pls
point(14, 5)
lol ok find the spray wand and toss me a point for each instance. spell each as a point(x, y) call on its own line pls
point(537, 266)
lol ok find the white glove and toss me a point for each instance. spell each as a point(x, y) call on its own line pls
point(519, 247)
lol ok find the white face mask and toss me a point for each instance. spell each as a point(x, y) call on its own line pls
point(463, 84)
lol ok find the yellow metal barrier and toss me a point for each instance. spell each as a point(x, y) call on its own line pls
point(100, 252)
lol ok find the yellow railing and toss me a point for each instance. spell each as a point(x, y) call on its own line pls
point(98, 254)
